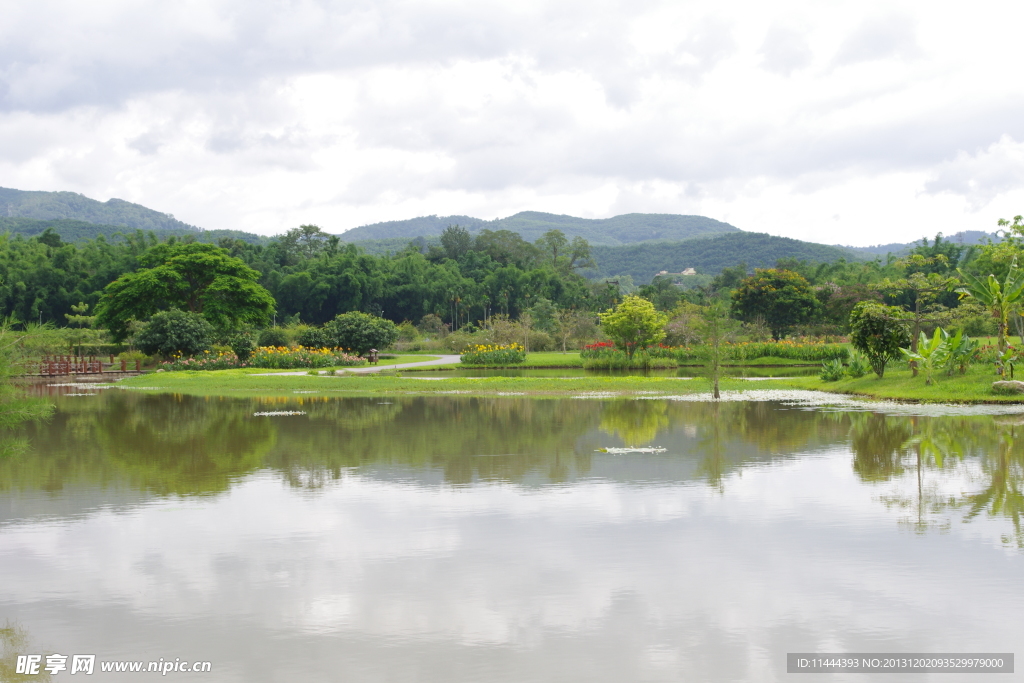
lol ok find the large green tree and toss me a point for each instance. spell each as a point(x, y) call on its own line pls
point(194, 277)
point(360, 332)
point(780, 297)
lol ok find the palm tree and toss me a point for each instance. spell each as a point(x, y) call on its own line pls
point(1000, 298)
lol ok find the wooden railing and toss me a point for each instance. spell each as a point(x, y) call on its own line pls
point(56, 366)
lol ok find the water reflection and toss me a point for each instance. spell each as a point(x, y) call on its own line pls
point(195, 445)
point(464, 539)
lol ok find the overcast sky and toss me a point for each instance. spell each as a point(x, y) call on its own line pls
point(837, 122)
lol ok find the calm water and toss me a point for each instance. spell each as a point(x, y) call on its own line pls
point(450, 539)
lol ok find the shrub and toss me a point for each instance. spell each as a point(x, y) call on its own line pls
point(360, 332)
point(284, 358)
point(617, 359)
point(460, 341)
point(208, 360)
point(273, 357)
point(432, 326)
point(314, 338)
point(407, 332)
point(481, 354)
point(273, 336)
point(879, 332)
point(831, 370)
point(858, 366)
point(243, 345)
point(175, 332)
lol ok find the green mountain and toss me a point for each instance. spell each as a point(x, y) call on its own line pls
point(626, 229)
point(709, 255)
point(71, 205)
point(968, 237)
point(80, 231)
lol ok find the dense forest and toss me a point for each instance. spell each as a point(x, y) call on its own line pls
point(314, 276)
point(73, 230)
point(464, 278)
point(55, 269)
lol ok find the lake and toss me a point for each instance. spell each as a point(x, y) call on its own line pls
point(450, 539)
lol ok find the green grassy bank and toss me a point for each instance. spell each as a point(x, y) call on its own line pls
point(974, 387)
point(901, 385)
point(240, 383)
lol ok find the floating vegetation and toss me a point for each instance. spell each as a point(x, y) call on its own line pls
point(619, 451)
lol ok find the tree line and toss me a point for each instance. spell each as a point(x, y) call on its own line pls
point(307, 275)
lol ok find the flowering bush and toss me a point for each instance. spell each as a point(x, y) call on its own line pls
point(273, 357)
point(491, 354)
point(792, 350)
point(597, 349)
point(284, 357)
point(208, 360)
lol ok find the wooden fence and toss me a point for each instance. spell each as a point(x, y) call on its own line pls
point(57, 366)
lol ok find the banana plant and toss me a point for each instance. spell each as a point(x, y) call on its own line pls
point(1007, 359)
point(999, 297)
point(929, 353)
point(959, 352)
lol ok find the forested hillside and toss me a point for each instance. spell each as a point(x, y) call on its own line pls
point(709, 255)
point(73, 206)
point(625, 229)
point(80, 231)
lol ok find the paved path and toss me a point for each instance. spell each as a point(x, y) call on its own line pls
point(442, 360)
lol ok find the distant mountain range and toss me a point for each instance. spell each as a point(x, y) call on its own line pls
point(625, 229)
point(967, 237)
point(637, 244)
point(710, 255)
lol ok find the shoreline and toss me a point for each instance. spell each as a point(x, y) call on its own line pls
point(234, 383)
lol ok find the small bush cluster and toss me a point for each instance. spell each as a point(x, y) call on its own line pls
point(742, 351)
point(617, 359)
point(833, 370)
point(271, 357)
point(488, 354)
point(207, 360)
point(811, 352)
point(286, 358)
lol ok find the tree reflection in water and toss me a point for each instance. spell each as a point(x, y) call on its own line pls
point(945, 456)
point(935, 466)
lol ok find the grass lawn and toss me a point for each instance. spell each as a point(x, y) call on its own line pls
point(899, 384)
point(241, 383)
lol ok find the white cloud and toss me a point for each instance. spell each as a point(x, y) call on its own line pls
point(264, 115)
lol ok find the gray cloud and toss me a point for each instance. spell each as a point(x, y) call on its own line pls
point(879, 38)
point(144, 51)
point(785, 50)
point(981, 176)
point(382, 108)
